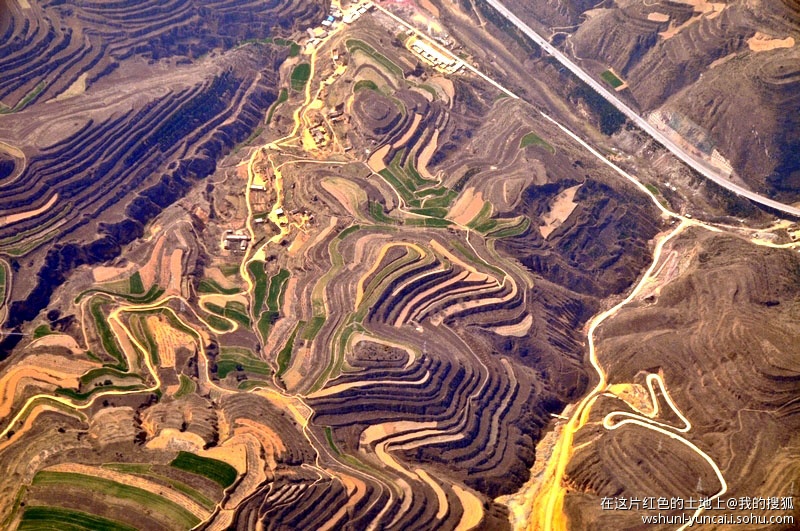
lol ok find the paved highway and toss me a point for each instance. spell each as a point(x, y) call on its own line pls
point(702, 168)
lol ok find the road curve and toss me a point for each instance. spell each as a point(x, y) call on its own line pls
point(699, 166)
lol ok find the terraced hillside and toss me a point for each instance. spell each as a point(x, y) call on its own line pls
point(699, 64)
point(322, 281)
point(719, 325)
point(93, 151)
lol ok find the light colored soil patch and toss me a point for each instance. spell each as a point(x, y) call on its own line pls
point(346, 192)
point(761, 42)
point(44, 370)
point(173, 283)
point(14, 218)
point(168, 340)
point(58, 340)
point(300, 239)
point(172, 439)
point(222, 300)
point(473, 509)
point(216, 275)
point(516, 330)
point(426, 154)
point(105, 274)
point(135, 481)
point(375, 161)
point(702, 7)
point(655, 16)
point(411, 130)
point(466, 207)
point(271, 443)
point(441, 497)
point(241, 170)
point(560, 210)
point(76, 89)
point(150, 269)
point(377, 432)
point(231, 453)
point(113, 425)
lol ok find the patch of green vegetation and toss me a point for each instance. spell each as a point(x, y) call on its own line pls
point(41, 331)
point(433, 212)
point(377, 213)
point(484, 214)
point(511, 229)
point(146, 470)
point(238, 312)
point(229, 269)
point(136, 284)
point(532, 139)
point(240, 359)
point(361, 46)
point(310, 332)
point(247, 385)
point(365, 84)
point(208, 285)
point(347, 232)
point(653, 189)
point(609, 77)
point(300, 75)
point(146, 499)
point(217, 471)
point(282, 97)
point(104, 372)
point(259, 276)
point(187, 386)
point(329, 438)
point(430, 89)
point(76, 395)
point(429, 222)
point(402, 187)
point(487, 226)
point(217, 323)
point(152, 294)
point(294, 48)
point(26, 100)
point(265, 323)
point(129, 468)
point(37, 517)
point(475, 259)
point(285, 355)
point(276, 286)
point(107, 338)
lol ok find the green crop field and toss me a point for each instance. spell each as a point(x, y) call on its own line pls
point(285, 355)
point(354, 45)
point(146, 499)
point(300, 76)
point(609, 77)
point(532, 139)
point(276, 285)
point(218, 471)
point(136, 285)
point(208, 285)
point(282, 97)
point(259, 276)
point(57, 518)
point(365, 84)
point(187, 386)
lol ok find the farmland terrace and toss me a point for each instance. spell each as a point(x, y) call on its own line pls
point(256, 279)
